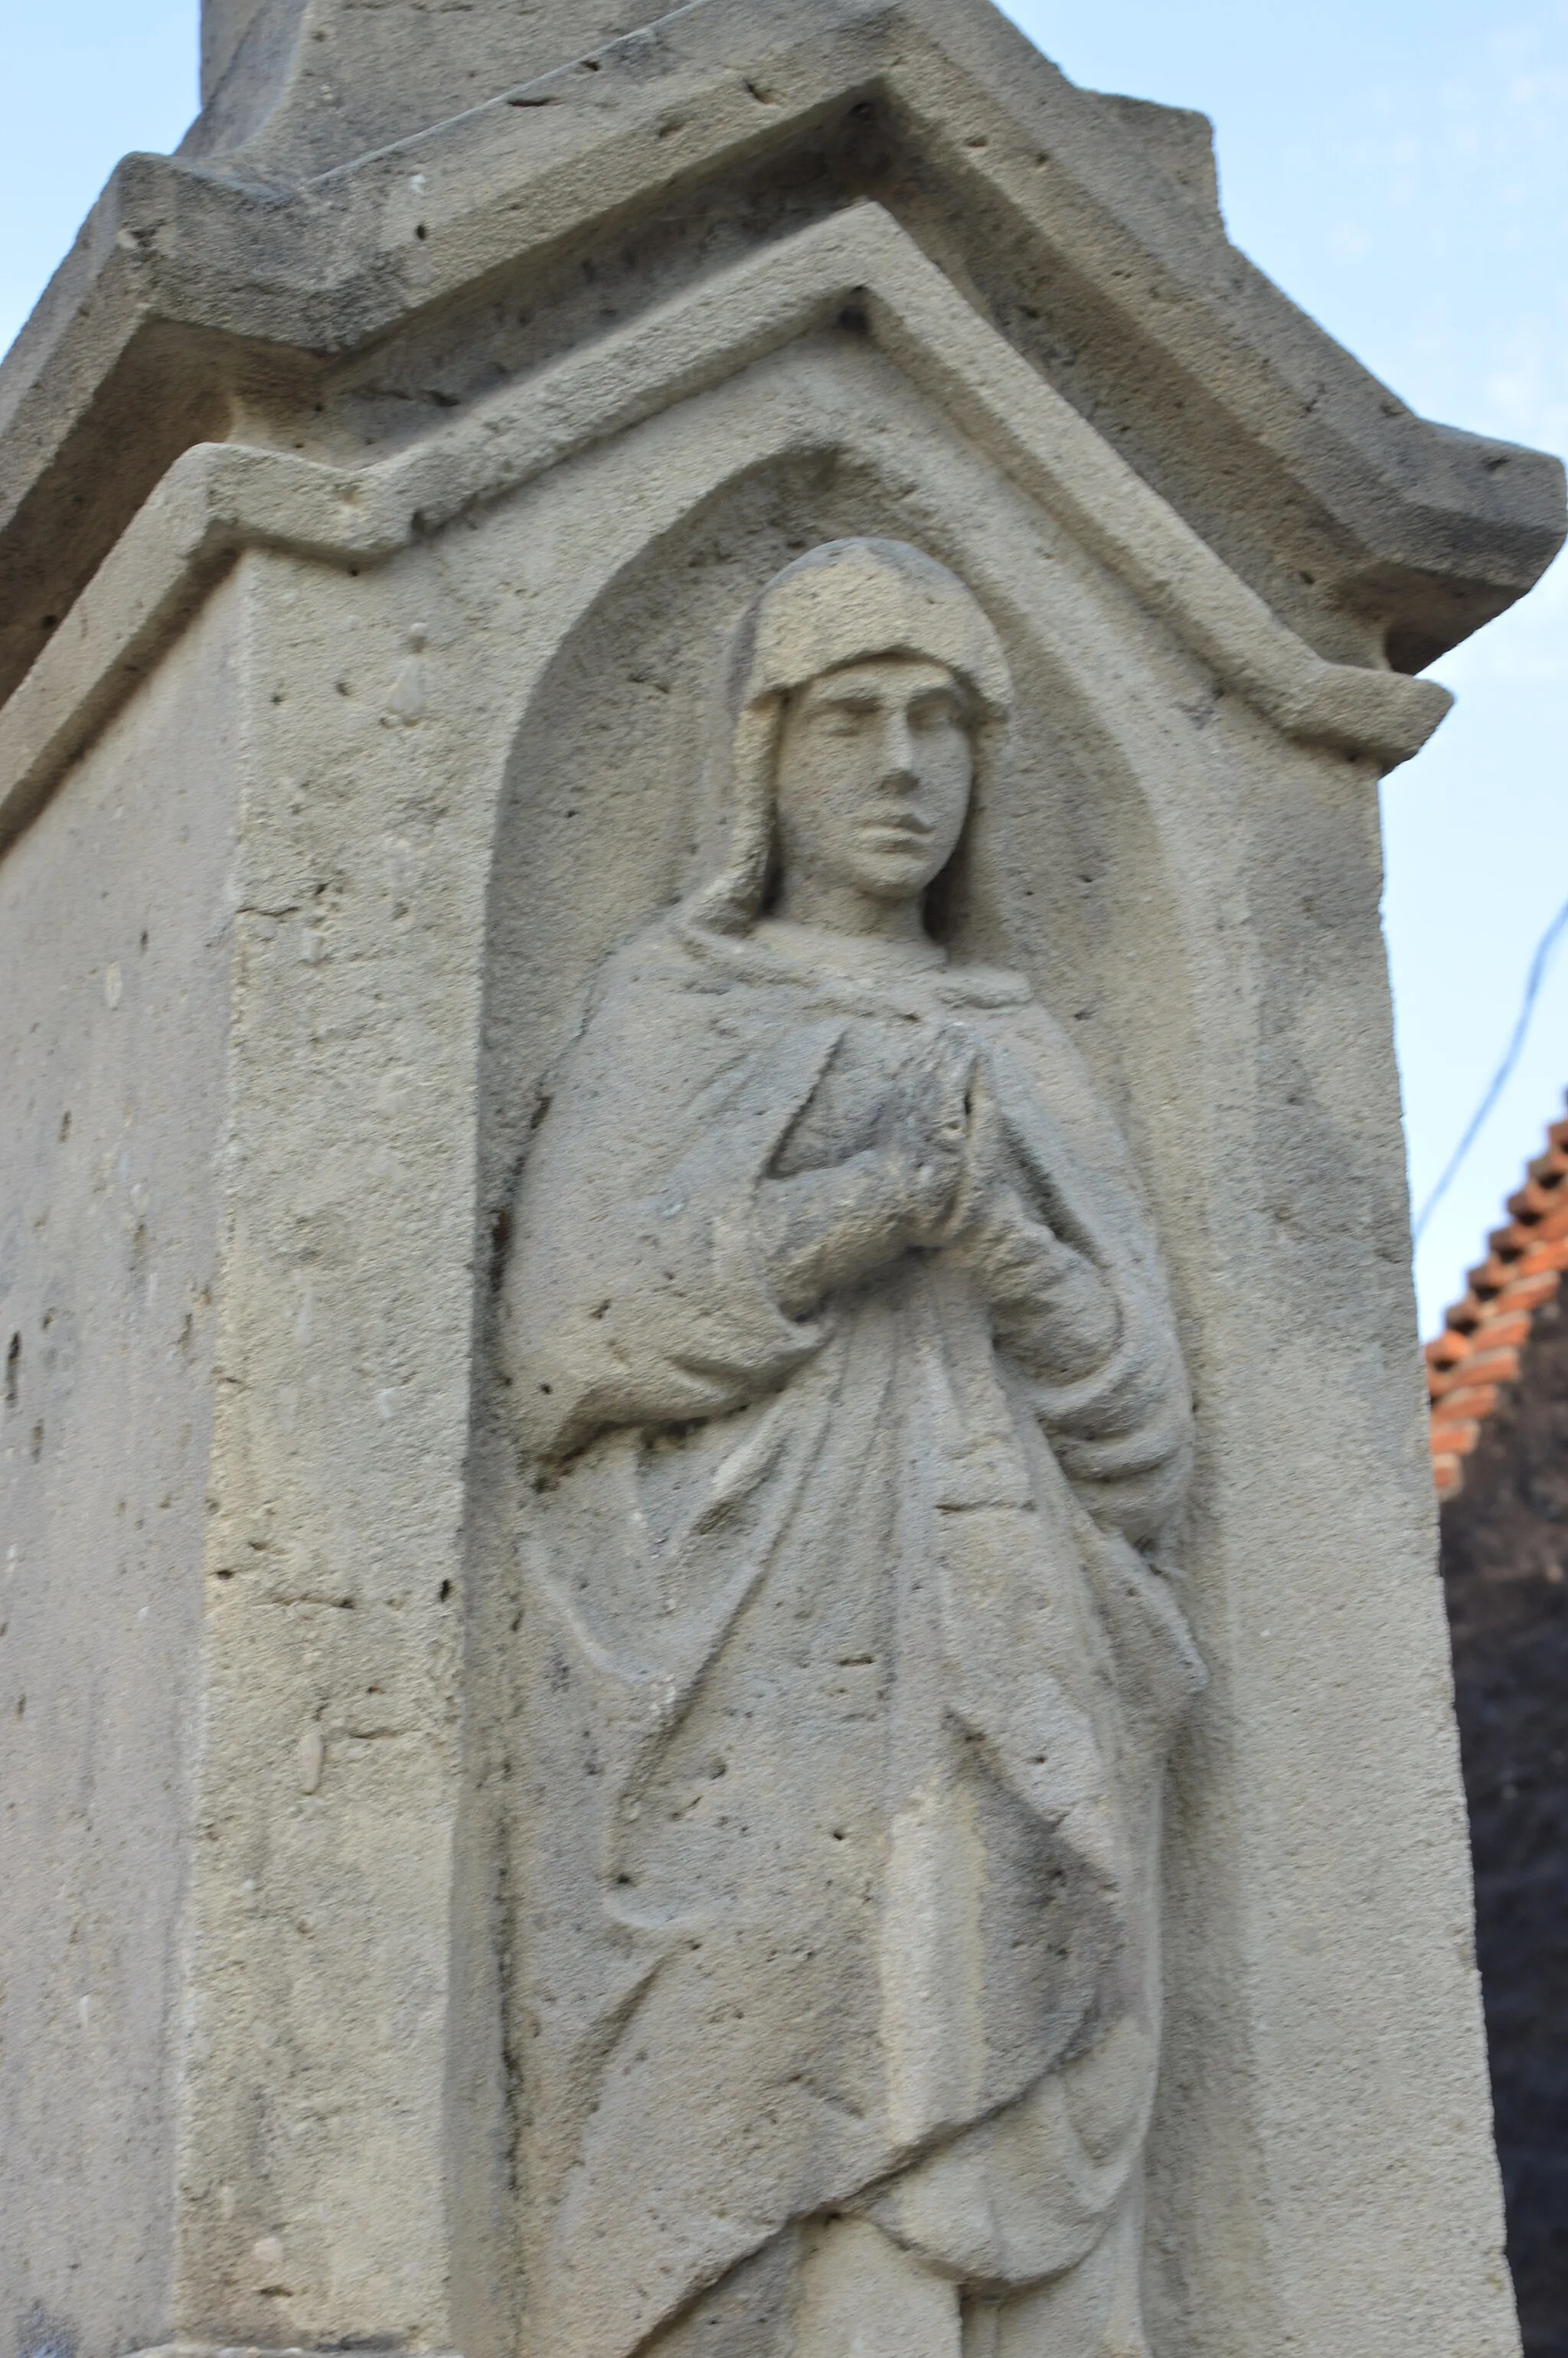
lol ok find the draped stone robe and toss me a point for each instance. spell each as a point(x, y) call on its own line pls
point(844, 1677)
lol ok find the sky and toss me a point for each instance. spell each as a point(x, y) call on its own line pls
point(1400, 167)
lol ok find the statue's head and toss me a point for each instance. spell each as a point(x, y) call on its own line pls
point(866, 686)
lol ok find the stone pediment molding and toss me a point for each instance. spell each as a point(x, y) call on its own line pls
point(858, 267)
point(1085, 227)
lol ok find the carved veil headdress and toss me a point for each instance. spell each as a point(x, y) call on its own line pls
point(842, 603)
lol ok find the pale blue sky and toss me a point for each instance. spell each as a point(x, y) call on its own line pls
point(1400, 167)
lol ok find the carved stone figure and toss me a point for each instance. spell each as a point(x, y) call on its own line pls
point(856, 1426)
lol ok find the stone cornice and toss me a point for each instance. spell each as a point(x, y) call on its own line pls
point(187, 279)
point(219, 498)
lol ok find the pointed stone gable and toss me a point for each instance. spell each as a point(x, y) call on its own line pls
point(317, 258)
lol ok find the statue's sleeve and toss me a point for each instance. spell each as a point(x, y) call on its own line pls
point(1122, 1428)
point(636, 1292)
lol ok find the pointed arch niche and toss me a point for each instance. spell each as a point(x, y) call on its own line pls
point(1112, 872)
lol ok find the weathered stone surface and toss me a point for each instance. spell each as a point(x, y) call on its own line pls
point(116, 913)
point(408, 512)
point(291, 88)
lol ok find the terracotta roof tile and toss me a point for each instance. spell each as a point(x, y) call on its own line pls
point(1478, 1351)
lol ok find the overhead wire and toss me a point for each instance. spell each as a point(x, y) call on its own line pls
point(1500, 1079)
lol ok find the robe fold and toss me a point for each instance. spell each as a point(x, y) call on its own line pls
point(845, 1679)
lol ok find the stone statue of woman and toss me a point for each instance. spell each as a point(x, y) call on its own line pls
point(855, 1423)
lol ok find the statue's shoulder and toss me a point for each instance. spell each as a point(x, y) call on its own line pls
point(660, 956)
point(650, 1000)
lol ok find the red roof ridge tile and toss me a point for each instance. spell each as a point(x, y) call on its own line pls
point(1478, 1353)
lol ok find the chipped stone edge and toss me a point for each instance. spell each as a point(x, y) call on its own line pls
point(220, 498)
point(279, 2350)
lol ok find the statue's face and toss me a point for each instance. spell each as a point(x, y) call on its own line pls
point(875, 769)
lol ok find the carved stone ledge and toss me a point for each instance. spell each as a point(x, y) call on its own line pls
point(196, 286)
point(221, 497)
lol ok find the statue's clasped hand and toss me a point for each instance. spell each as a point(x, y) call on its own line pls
point(925, 1131)
point(963, 1196)
point(935, 1176)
